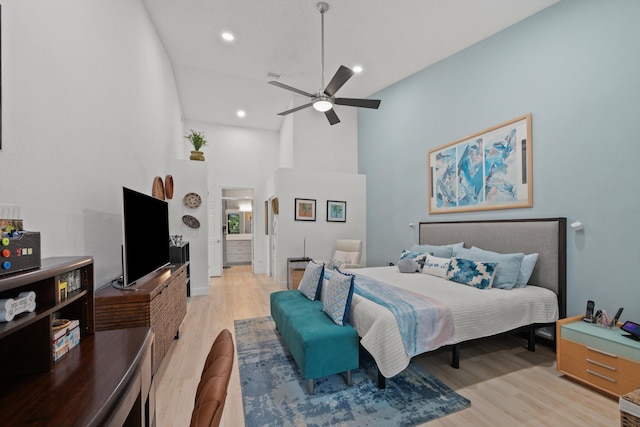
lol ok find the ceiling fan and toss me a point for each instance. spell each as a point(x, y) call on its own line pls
point(324, 100)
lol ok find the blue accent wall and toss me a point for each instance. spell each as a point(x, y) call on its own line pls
point(576, 68)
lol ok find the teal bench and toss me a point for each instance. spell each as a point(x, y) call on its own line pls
point(319, 346)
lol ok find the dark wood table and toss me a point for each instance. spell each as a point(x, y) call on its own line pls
point(104, 381)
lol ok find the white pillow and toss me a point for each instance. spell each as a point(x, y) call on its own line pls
point(436, 266)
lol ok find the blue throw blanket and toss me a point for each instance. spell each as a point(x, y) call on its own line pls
point(425, 324)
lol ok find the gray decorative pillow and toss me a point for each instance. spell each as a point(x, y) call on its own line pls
point(408, 266)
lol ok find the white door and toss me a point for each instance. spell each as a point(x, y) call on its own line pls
point(215, 232)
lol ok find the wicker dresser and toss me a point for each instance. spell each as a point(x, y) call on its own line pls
point(630, 409)
point(295, 271)
point(159, 301)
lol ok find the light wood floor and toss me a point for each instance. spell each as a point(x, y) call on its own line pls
point(507, 385)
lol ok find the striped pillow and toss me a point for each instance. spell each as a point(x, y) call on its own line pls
point(336, 297)
point(311, 282)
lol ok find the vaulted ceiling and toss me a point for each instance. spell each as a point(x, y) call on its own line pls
point(390, 39)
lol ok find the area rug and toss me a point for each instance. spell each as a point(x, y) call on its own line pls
point(274, 394)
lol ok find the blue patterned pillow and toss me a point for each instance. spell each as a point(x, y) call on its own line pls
point(418, 257)
point(508, 265)
point(311, 282)
point(472, 273)
point(336, 298)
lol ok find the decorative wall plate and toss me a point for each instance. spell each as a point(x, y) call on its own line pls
point(192, 200)
point(168, 187)
point(157, 190)
point(190, 221)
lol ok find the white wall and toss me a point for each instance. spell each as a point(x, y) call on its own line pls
point(318, 161)
point(320, 235)
point(318, 146)
point(286, 142)
point(238, 157)
point(89, 105)
point(190, 176)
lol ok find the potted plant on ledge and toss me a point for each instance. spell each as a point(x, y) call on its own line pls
point(198, 141)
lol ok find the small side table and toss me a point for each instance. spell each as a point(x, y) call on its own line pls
point(295, 271)
point(630, 409)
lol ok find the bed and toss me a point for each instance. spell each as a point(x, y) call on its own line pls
point(476, 313)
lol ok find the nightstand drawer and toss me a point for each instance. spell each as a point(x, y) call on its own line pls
point(599, 368)
point(591, 355)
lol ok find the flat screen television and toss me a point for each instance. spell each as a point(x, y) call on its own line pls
point(146, 235)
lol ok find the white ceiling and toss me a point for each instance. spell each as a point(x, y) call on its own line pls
point(390, 39)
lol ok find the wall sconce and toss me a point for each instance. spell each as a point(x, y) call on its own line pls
point(577, 225)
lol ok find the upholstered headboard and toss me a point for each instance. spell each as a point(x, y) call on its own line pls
point(546, 236)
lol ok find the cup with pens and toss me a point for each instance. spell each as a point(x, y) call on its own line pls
point(603, 320)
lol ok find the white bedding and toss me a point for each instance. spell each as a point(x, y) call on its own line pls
point(476, 313)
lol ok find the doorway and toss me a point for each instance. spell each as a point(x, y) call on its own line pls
point(237, 224)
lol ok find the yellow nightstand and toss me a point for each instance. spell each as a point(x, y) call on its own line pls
point(295, 271)
point(601, 358)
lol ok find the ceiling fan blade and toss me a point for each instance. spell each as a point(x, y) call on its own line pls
point(293, 110)
point(292, 89)
point(354, 102)
point(340, 78)
point(332, 116)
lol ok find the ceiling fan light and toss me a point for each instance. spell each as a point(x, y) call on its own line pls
point(322, 105)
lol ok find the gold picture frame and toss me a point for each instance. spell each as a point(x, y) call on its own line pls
point(491, 169)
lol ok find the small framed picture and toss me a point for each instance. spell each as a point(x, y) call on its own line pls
point(305, 210)
point(336, 211)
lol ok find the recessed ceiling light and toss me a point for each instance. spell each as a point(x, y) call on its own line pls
point(357, 69)
point(241, 113)
point(228, 36)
